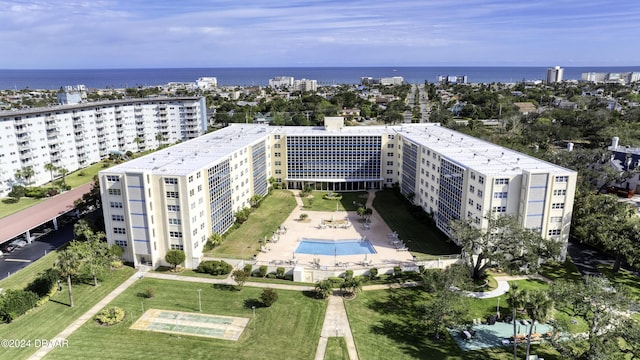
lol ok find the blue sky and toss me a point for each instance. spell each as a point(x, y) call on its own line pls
point(58, 34)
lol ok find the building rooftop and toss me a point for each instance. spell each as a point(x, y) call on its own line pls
point(467, 151)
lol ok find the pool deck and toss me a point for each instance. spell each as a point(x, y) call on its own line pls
point(497, 335)
point(282, 251)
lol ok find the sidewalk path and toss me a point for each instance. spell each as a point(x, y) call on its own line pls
point(503, 286)
point(336, 324)
point(43, 351)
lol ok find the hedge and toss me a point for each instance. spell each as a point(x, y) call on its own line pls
point(214, 267)
point(14, 303)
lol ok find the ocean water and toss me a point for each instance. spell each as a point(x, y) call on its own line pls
point(120, 78)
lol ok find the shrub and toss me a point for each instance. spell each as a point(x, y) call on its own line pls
point(280, 272)
point(82, 173)
point(36, 192)
point(263, 270)
point(397, 271)
point(239, 276)
point(248, 268)
point(214, 267)
point(335, 281)
point(14, 303)
point(110, 316)
point(175, 257)
point(148, 293)
point(116, 264)
point(348, 275)
point(303, 216)
point(268, 297)
point(43, 284)
point(373, 273)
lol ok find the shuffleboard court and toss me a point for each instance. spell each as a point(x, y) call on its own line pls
point(193, 324)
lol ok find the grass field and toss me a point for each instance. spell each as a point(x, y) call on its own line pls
point(48, 320)
point(382, 329)
point(8, 208)
point(22, 277)
point(423, 240)
point(289, 329)
point(345, 204)
point(243, 242)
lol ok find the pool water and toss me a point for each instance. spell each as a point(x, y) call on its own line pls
point(334, 247)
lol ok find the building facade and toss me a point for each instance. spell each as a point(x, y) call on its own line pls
point(76, 136)
point(555, 74)
point(177, 197)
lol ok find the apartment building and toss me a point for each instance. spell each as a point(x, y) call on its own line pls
point(177, 197)
point(555, 74)
point(75, 136)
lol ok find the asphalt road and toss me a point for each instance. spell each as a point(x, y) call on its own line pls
point(22, 257)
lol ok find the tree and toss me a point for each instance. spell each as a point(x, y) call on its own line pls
point(90, 200)
point(92, 249)
point(28, 173)
point(17, 191)
point(605, 222)
point(68, 264)
point(50, 168)
point(240, 277)
point(538, 305)
point(175, 257)
point(504, 243)
point(601, 304)
point(268, 297)
point(63, 172)
point(516, 300)
point(351, 286)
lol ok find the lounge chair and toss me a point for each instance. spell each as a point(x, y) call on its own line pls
point(467, 335)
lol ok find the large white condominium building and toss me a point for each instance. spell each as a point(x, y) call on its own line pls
point(75, 136)
point(555, 74)
point(177, 197)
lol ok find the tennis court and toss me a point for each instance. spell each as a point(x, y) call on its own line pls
point(192, 324)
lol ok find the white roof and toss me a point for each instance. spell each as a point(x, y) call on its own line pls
point(467, 151)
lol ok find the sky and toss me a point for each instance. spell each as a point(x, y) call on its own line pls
point(78, 34)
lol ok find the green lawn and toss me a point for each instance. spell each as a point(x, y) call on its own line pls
point(424, 240)
point(382, 329)
point(243, 242)
point(345, 204)
point(336, 349)
point(47, 321)
point(22, 277)
point(623, 277)
point(7, 208)
point(566, 270)
point(289, 329)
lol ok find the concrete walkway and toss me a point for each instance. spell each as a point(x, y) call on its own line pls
point(503, 286)
point(336, 324)
point(43, 351)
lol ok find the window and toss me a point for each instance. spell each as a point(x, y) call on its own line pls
point(174, 221)
point(175, 234)
point(390, 137)
point(389, 146)
point(199, 188)
point(389, 172)
point(276, 146)
point(113, 178)
point(389, 180)
point(173, 194)
point(278, 171)
point(390, 154)
point(562, 179)
point(173, 208)
point(278, 163)
point(171, 181)
point(500, 195)
point(502, 181)
point(473, 175)
point(559, 192)
point(557, 206)
point(479, 193)
point(192, 192)
point(554, 232)
point(121, 243)
point(472, 189)
point(471, 202)
point(479, 207)
point(195, 231)
point(481, 179)
point(115, 192)
point(499, 209)
point(177, 247)
point(469, 214)
point(118, 230)
point(277, 137)
point(555, 219)
point(116, 205)
point(117, 217)
point(198, 175)
point(191, 178)
point(389, 163)
point(277, 154)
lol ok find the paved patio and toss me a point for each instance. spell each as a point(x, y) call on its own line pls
point(497, 335)
point(377, 232)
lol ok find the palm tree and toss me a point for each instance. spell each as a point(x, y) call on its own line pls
point(50, 168)
point(68, 263)
point(28, 173)
point(516, 298)
point(19, 175)
point(538, 306)
point(63, 171)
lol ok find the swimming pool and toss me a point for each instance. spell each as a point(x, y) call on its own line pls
point(335, 247)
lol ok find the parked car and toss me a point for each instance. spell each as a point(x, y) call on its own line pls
point(7, 248)
point(19, 243)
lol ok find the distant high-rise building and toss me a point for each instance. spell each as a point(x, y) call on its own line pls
point(554, 74)
point(619, 78)
point(281, 82)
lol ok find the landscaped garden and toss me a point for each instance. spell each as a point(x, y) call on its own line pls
point(423, 239)
point(243, 242)
point(46, 321)
point(327, 201)
point(289, 329)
